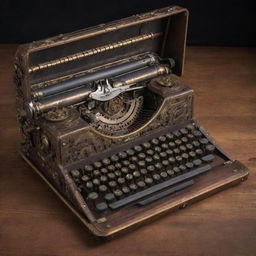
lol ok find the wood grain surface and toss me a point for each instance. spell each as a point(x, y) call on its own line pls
point(34, 222)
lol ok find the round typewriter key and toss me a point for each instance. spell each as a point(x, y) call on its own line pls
point(96, 182)
point(162, 138)
point(183, 148)
point(148, 180)
point(171, 160)
point(169, 136)
point(93, 196)
point(118, 193)
point(185, 156)
point(170, 172)
point(118, 165)
point(189, 165)
point(103, 170)
point(164, 146)
point(111, 167)
point(182, 167)
point(190, 136)
point(176, 151)
point(203, 141)
point(156, 157)
point(178, 158)
point(121, 180)
point(111, 175)
point(199, 151)
point(106, 161)
point(118, 173)
point(88, 168)
point(197, 133)
point(112, 184)
point(85, 178)
point(132, 167)
point(124, 170)
point(146, 145)
point(150, 152)
point(141, 184)
point(163, 175)
point(169, 152)
point(138, 148)
point(103, 178)
point(156, 177)
point(195, 143)
point(134, 159)
point(142, 156)
point(184, 139)
point(109, 197)
point(143, 171)
point(75, 173)
point(163, 154)
point(125, 190)
point(103, 188)
point(197, 162)
point(176, 170)
point(210, 148)
point(151, 168)
point(192, 154)
point(178, 142)
point(136, 174)
point(97, 164)
point(89, 184)
point(158, 166)
point(171, 144)
point(133, 186)
point(177, 134)
point(190, 127)
point(149, 160)
point(155, 141)
point(114, 158)
point(129, 176)
point(141, 163)
point(96, 173)
point(126, 162)
point(122, 155)
point(184, 131)
point(130, 152)
point(158, 149)
point(189, 146)
point(101, 206)
point(165, 162)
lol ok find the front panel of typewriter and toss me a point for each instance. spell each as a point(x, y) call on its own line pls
point(109, 127)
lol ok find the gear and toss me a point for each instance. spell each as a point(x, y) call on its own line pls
point(114, 117)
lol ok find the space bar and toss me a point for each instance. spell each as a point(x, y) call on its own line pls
point(159, 186)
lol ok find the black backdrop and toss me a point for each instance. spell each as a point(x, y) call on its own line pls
point(216, 22)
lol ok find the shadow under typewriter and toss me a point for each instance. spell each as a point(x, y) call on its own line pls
point(110, 128)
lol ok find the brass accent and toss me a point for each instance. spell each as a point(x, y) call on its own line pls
point(94, 51)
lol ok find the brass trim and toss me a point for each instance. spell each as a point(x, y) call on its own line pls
point(94, 51)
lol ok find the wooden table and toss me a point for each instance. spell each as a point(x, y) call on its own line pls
point(34, 222)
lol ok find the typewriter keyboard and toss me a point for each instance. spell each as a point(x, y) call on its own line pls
point(146, 171)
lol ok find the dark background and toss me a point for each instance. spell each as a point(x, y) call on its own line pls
point(226, 22)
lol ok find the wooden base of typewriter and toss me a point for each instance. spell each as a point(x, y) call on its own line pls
point(221, 177)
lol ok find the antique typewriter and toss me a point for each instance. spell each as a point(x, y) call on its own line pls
point(110, 128)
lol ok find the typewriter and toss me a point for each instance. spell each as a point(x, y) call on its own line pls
point(107, 124)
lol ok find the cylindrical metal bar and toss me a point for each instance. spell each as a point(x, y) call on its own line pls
point(140, 75)
point(101, 74)
point(78, 95)
point(56, 101)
